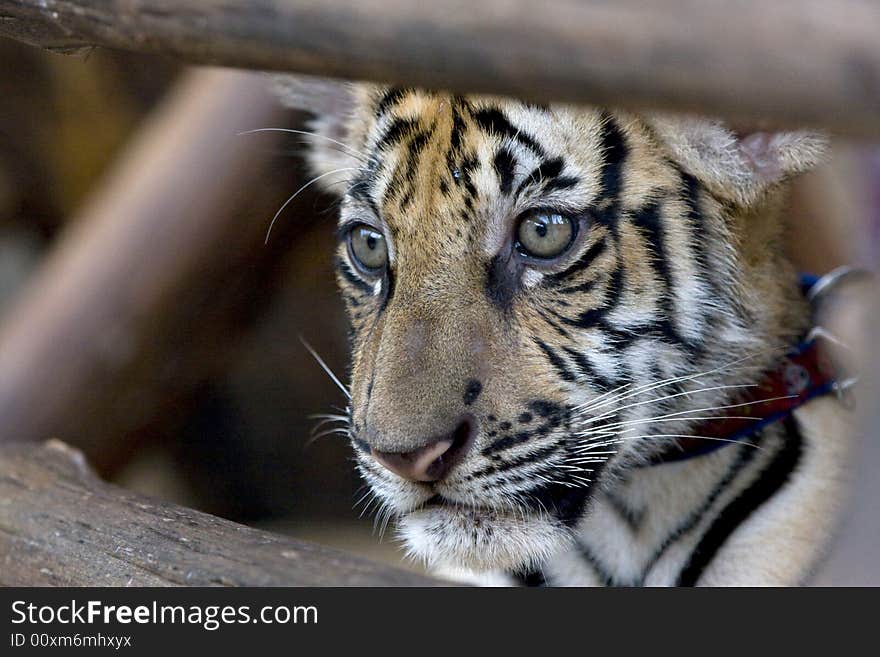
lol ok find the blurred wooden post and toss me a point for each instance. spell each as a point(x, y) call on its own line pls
point(160, 219)
point(793, 61)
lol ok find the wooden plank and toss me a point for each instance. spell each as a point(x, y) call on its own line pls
point(62, 526)
point(792, 61)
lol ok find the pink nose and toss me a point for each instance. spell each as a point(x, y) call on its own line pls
point(424, 464)
point(431, 462)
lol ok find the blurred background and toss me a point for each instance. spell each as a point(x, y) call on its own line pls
point(208, 406)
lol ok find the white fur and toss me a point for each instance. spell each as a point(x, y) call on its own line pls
point(777, 545)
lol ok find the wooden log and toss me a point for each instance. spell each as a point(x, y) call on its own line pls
point(62, 526)
point(793, 61)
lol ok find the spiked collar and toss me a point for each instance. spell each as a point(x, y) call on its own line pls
point(803, 374)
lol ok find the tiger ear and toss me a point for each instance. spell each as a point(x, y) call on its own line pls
point(329, 153)
point(737, 167)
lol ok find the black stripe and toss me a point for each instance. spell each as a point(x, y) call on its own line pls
point(414, 149)
point(632, 517)
point(545, 408)
point(361, 191)
point(388, 288)
point(561, 182)
point(407, 198)
point(769, 482)
point(458, 128)
point(353, 279)
point(389, 98)
point(471, 193)
point(703, 238)
point(398, 129)
point(555, 325)
point(596, 249)
point(493, 121)
point(507, 441)
point(418, 142)
point(593, 562)
point(589, 372)
point(469, 164)
point(505, 166)
point(583, 288)
point(556, 361)
point(472, 392)
point(743, 458)
point(567, 503)
point(503, 275)
point(525, 459)
point(622, 338)
point(548, 174)
point(594, 316)
point(648, 221)
point(699, 230)
point(588, 319)
point(533, 578)
point(403, 179)
point(614, 151)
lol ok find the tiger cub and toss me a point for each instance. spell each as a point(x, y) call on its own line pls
point(563, 319)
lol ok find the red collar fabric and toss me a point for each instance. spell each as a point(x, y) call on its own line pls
point(800, 376)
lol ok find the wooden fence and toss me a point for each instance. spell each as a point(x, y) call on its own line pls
point(787, 62)
point(804, 61)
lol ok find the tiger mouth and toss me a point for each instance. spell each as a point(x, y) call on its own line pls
point(447, 534)
point(440, 502)
point(564, 503)
point(443, 504)
point(464, 514)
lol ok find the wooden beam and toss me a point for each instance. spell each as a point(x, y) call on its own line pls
point(790, 61)
point(62, 526)
point(119, 282)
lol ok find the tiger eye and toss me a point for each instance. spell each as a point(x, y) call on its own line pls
point(367, 247)
point(545, 234)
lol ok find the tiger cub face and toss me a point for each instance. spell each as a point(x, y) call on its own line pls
point(541, 298)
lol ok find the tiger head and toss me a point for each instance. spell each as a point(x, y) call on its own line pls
point(541, 298)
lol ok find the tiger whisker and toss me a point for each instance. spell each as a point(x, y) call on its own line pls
point(327, 416)
point(333, 146)
point(363, 157)
point(387, 514)
point(648, 387)
point(711, 409)
point(299, 191)
point(327, 420)
point(643, 389)
point(330, 432)
point(314, 438)
point(686, 435)
point(657, 400)
point(367, 493)
point(662, 419)
point(326, 368)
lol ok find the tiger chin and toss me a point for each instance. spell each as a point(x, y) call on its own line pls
point(558, 315)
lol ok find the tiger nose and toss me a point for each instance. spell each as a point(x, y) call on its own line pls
point(431, 462)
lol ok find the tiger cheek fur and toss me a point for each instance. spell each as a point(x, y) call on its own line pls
point(551, 378)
